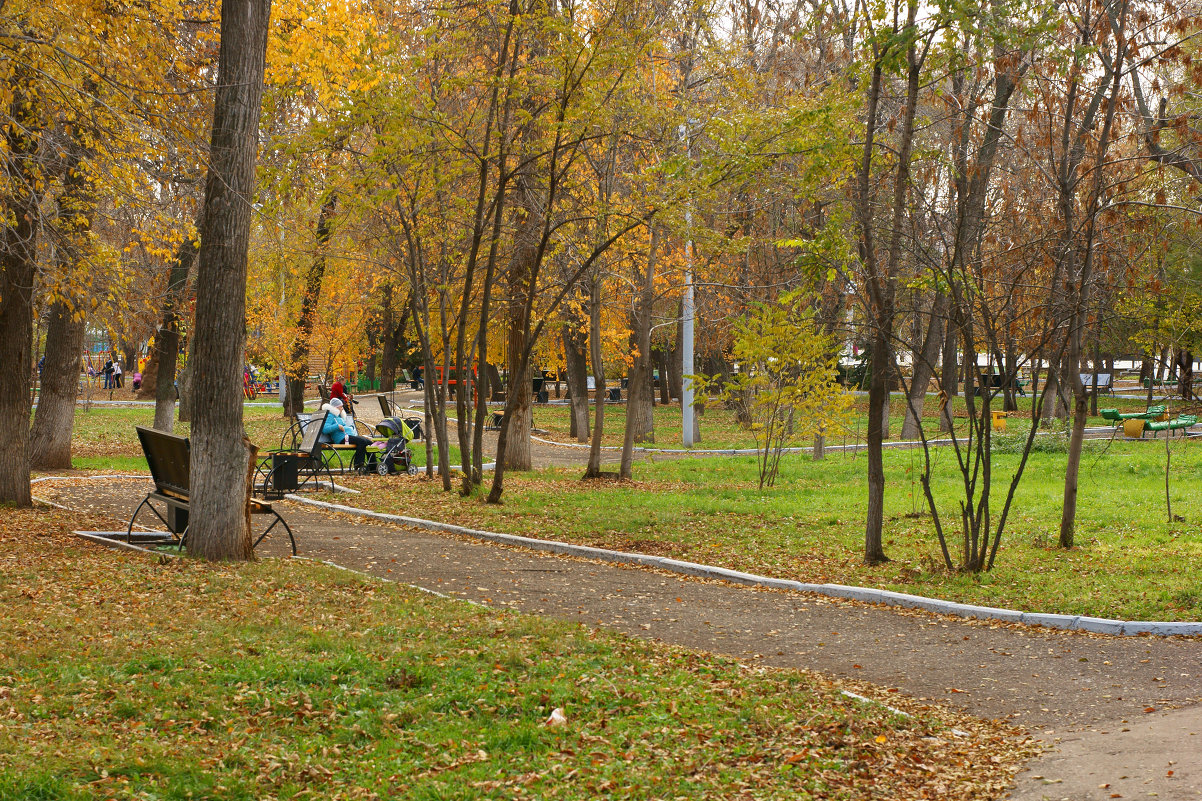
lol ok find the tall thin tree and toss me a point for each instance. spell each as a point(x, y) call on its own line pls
point(220, 521)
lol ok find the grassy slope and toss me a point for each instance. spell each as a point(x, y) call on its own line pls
point(123, 677)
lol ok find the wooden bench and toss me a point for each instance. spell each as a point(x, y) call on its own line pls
point(1105, 384)
point(280, 472)
point(328, 451)
point(168, 457)
point(995, 381)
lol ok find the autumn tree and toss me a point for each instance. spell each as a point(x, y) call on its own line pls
point(787, 378)
point(219, 525)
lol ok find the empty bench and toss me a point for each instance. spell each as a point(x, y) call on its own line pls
point(168, 458)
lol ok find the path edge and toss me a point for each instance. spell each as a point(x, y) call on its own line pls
point(865, 594)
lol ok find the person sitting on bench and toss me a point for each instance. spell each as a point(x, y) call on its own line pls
point(340, 428)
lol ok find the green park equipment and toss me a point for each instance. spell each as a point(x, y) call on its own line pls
point(1181, 423)
point(1117, 417)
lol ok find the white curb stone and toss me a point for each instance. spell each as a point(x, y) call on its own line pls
point(1099, 625)
point(989, 613)
point(1051, 621)
point(1162, 628)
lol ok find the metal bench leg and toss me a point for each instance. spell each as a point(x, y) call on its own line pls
point(129, 531)
point(278, 521)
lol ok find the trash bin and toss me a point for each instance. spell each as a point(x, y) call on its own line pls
point(1133, 428)
point(283, 473)
point(999, 420)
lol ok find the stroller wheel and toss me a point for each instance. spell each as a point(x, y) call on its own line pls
point(412, 470)
point(382, 467)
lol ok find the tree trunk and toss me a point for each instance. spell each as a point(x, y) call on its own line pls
point(889, 378)
point(676, 357)
point(518, 413)
point(878, 399)
point(184, 381)
point(662, 359)
point(298, 368)
point(50, 440)
point(1097, 366)
point(574, 344)
point(1068, 518)
point(166, 341)
point(949, 377)
point(370, 367)
point(1185, 374)
point(640, 418)
point(1054, 389)
point(924, 366)
point(218, 525)
point(594, 454)
point(518, 400)
point(388, 360)
point(18, 263)
point(129, 362)
point(882, 281)
point(150, 373)
point(495, 383)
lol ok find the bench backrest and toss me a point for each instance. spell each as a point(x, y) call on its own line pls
point(1103, 379)
point(167, 456)
point(311, 442)
point(385, 407)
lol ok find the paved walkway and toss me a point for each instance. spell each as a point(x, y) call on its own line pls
point(1123, 712)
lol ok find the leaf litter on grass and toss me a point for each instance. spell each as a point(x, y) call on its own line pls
point(126, 678)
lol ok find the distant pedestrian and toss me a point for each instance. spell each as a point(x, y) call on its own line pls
point(108, 374)
point(117, 373)
point(338, 390)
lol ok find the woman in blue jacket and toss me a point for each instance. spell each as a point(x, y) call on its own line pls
point(340, 429)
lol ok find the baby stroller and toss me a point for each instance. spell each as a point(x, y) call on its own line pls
point(396, 456)
point(411, 428)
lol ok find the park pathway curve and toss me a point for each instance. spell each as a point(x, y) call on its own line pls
point(1123, 711)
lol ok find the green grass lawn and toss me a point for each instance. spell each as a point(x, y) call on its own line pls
point(719, 429)
point(1129, 562)
point(124, 677)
